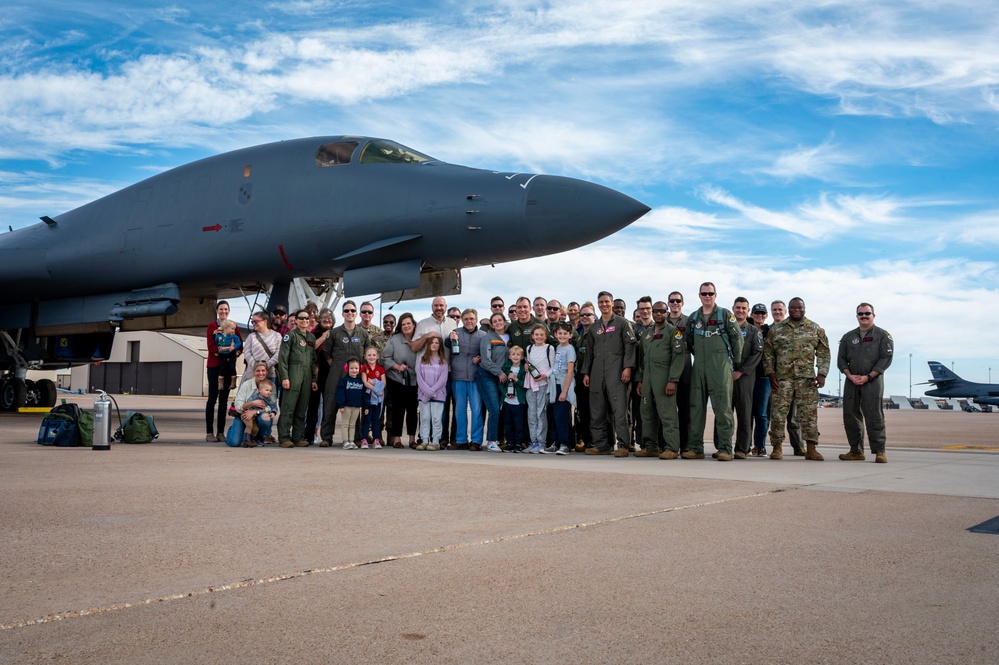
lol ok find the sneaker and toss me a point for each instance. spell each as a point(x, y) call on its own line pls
point(546, 451)
point(364, 444)
point(562, 450)
point(420, 446)
point(433, 446)
point(377, 444)
point(350, 445)
point(325, 444)
point(493, 447)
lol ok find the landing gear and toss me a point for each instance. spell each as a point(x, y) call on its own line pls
point(13, 394)
point(41, 393)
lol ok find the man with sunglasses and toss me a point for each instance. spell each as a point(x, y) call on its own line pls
point(864, 354)
point(296, 368)
point(496, 306)
point(715, 340)
point(661, 357)
point(796, 355)
point(348, 340)
point(678, 320)
point(375, 334)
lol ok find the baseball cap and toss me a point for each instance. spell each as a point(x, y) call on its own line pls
point(760, 308)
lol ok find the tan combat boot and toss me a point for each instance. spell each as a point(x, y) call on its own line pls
point(852, 457)
point(881, 458)
point(668, 454)
point(723, 457)
point(777, 453)
point(813, 454)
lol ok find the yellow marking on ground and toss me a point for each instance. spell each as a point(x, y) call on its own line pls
point(969, 447)
point(34, 409)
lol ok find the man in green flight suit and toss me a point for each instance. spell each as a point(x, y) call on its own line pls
point(864, 354)
point(607, 367)
point(715, 340)
point(297, 370)
point(793, 349)
point(663, 354)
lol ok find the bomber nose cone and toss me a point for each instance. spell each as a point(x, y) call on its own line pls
point(563, 213)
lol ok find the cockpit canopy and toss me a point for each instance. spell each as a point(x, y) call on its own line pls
point(375, 151)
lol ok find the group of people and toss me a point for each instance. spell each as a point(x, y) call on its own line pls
point(541, 377)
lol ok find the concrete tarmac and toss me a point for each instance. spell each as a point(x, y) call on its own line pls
point(183, 551)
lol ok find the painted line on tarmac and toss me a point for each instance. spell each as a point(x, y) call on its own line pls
point(245, 584)
point(969, 447)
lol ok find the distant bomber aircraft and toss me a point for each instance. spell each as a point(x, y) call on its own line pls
point(370, 212)
point(949, 384)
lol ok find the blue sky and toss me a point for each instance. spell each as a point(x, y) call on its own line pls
point(841, 151)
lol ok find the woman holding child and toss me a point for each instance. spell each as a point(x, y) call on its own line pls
point(256, 405)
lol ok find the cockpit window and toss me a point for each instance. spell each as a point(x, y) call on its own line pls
point(335, 154)
point(380, 151)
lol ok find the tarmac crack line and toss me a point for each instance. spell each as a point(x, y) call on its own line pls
point(252, 582)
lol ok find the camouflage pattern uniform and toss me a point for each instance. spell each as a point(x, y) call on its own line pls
point(376, 338)
point(662, 359)
point(862, 353)
point(791, 352)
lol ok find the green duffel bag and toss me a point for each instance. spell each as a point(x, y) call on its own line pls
point(86, 426)
point(137, 428)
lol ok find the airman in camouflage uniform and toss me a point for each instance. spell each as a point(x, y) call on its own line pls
point(793, 349)
point(662, 358)
point(715, 340)
point(864, 354)
point(296, 369)
point(376, 336)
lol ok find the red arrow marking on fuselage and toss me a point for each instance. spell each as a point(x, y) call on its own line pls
point(287, 263)
point(217, 227)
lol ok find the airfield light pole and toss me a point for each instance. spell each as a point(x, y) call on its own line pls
point(910, 376)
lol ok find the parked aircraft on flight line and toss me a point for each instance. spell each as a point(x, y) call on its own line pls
point(375, 214)
point(949, 384)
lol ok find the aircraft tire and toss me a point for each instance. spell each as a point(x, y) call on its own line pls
point(13, 395)
point(47, 392)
